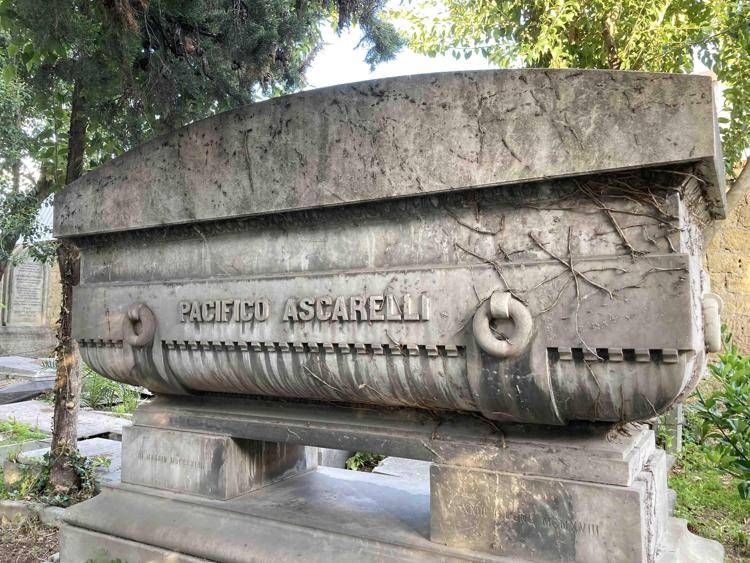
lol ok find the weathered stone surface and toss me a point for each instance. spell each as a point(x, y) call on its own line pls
point(279, 355)
point(396, 137)
point(319, 517)
point(209, 465)
point(84, 545)
point(29, 293)
point(23, 391)
point(322, 516)
point(17, 510)
point(333, 458)
point(11, 450)
point(682, 546)
point(467, 252)
point(729, 264)
point(32, 341)
point(587, 452)
point(51, 515)
point(542, 519)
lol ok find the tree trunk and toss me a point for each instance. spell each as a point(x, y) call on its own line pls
point(68, 378)
point(16, 174)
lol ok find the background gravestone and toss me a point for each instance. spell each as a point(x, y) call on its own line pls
point(30, 301)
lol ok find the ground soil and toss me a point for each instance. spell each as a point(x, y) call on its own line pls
point(26, 542)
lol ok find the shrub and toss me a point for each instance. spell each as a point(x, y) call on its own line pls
point(363, 461)
point(34, 483)
point(98, 392)
point(14, 432)
point(722, 416)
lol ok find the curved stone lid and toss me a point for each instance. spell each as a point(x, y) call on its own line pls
point(401, 137)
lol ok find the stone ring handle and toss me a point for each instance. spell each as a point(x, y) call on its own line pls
point(139, 313)
point(502, 305)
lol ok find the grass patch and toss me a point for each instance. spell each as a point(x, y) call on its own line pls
point(709, 500)
point(14, 432)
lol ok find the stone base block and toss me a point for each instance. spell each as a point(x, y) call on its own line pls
point(327, 515)
point(209, 465)
point(545, 519)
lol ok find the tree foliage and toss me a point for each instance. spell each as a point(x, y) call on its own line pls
point(648, 35)
point(96, 77)
point(142, 67)
point(149, 66)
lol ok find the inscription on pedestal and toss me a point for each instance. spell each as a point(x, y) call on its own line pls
point(171, 460)
point(209, 465)
point(547, 519)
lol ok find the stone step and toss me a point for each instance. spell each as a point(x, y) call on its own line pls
point(683, 546)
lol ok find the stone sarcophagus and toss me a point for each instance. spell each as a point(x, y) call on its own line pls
point(525, 245)
point(516, 246)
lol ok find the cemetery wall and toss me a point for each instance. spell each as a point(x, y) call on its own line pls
point(728, 261)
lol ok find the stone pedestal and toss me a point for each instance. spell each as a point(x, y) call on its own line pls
point(538, 494)
point(545, 519)
point(209, 465)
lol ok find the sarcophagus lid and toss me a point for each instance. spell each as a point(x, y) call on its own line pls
point(522, 244)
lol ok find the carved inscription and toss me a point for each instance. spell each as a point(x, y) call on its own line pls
point(323, 309)
point(224, 311)
point(171, 460)
point(483, 511)
point(358, 308)
point(577, 527)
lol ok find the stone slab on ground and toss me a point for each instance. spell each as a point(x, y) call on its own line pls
point(405, 468)
point(93, 447)
point(12, 449)
point(25, 390)
point(38, 414)
point(27, 368)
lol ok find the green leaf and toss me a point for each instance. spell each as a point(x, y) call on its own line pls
point(744, 489)
point(9, 73)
